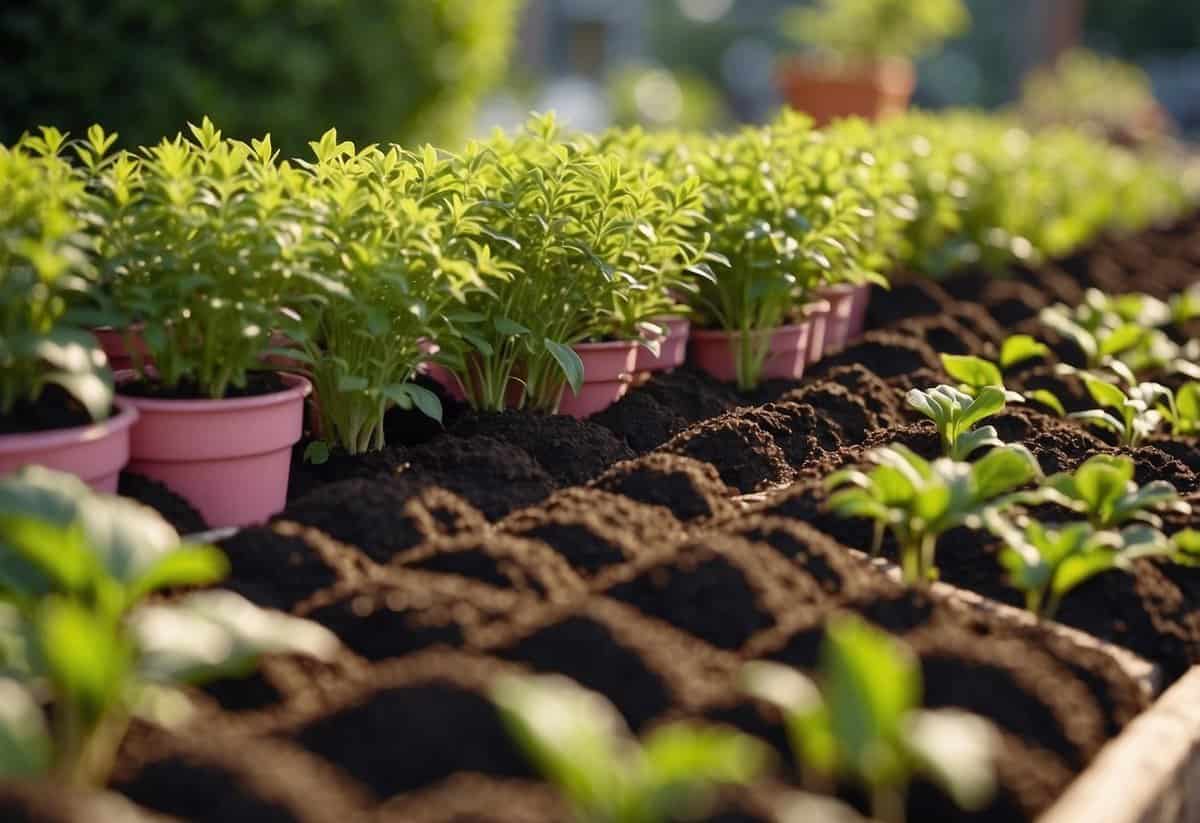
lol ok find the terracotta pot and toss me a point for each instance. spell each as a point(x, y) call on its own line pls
point(858, 312)
point(672, 346)
point(816, 315)
point(95, 453)
point(120, 344)
point(607, 372)
point(229, 458)
point(713, 351)
point(827, 94)
point(841, 311)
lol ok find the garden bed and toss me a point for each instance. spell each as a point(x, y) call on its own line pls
point(625, 553)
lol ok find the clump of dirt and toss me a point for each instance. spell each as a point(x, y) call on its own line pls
point(745, 455)
point(1068, 388)
point(571, 451)
point(477, 799)
point(844, 418)
point(594, 530)
point(943, 333)
point(493, 476)
point(173, 508)
point(918, 298)
point(307, 477)
point(1011, 302)
point(691, 394)
point(803, 436)
point(875, 395)
point(887, 354)
point(690, 489)
point(641, 421)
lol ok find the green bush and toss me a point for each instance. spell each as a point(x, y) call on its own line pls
point(377, 69)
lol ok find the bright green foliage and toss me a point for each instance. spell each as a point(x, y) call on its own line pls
point(868, 30)
point(1104, 491)
point(404, 70)
point(1098, 93)
point(75, 568)
point(401, 249)
point(216, 247)
point(43, 266)
point(955, 413)
point(917, 501)
point(1099, 335)
point(976, 373)
point(1136, 416)
point(579, 231)
point(1047, 562)
point(580, 743)
point(1182, 409)
point(862, 720)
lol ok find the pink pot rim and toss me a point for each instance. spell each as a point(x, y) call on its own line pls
point(721, 334)
point(838, 289)
point(817, 306)
point(609, 345)
point(298, 387)
point(126, 416)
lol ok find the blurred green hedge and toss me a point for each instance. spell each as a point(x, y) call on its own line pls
point(405, 70)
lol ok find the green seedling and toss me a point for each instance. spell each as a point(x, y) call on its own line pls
point(1181, 409)
point(975, 373)
point(955, 412)
point(581, 744)
point(1104, 491)
point(1099, 334)
point(80, 649)
point(861, 719)
point(1134, 414)
point(918, 501)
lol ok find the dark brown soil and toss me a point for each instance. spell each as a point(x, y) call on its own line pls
point(689, 489)
point(744, 454)
point(257, 383)
point(54, 409)
point(641, 421)
point(174, 509)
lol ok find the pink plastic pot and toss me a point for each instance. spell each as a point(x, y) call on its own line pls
point(95, 453)
point(120, 344)
point(837, 326)
point(607, 372)
point(858, 312)
point(672, 346)
point(816, 314)
point(714, 352)
point(229, 458)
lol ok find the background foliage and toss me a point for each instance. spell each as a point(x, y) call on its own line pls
point(409, 70)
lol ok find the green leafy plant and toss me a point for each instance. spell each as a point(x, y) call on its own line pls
point(1047, 562)
point(1181, 408)
point(44, 266)
point(955, 412)
point(975, 373)
point(862, 719)
point(1099, 334)
point(1136, 413)
point(868, 30)
point(75, 571)
point(918, 501)
point(1104, 491)
point(581, 744)
point(588, 241)
point(215, 252)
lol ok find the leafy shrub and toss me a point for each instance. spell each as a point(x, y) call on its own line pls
point(403, 70)
point(865, 30)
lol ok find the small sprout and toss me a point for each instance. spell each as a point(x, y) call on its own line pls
point(955, 412)
point(862, 719)
point(1103, 490)
point(1182, 410)
point(1100, 335)
point(579, 742)
point(974, 373)
point(918, 501)
point(75, 570)
point(1048, 562)
point(1136, 414)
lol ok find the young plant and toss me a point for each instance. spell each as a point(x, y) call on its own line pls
point(1136, 415)
point(1181, 409)
point(214, 252)
point(75, 570)
point(580, 743)
point(577, 231)
point(918, 501)
point(863, 31)
point(862, 719)
point(1104, 491)
point(975, 373)
point(44, 268)
point(1100, 334)
point(1047, 562)
point(954, 412)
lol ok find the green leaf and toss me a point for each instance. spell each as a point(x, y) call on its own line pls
point(316, 453)
point(679, 755)
point(959, 751)
point(1101, 481)
point(93, 391)
point(1121, 339)
point(1019, 348)
point(1105, 394)
point(972, 441)
point(211, 634)
point(25, 746)
point(1001, 470)
point(408, 395)
point(988, 401)
point(569, 361)
point(351, 384)
point(85, 655)
point(972, 371)
point(38, 557)
point(510, 328)
point(1048, 399)
point(189, 565)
